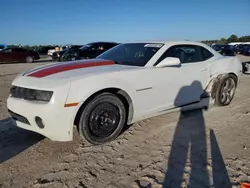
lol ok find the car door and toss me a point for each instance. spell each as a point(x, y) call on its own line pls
point(179, 86)
point(19, 54)
point(6, 55)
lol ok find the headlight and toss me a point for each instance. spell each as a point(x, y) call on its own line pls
point(30, 94)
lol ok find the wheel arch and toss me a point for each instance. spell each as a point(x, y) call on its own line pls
point(121, 94)
point(213, 84)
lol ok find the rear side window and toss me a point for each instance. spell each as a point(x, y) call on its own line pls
point(108, 45)
point(7, 50)
point(96, 46)
point(206, 54)
point(19, 50)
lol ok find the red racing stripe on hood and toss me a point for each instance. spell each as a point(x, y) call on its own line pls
point(70, 66)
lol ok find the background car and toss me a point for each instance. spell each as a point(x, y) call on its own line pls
point(18, 55)
point(87, 51)
point(57, 48)
point(245, 50)
point(225, 49)
point(44, 49)
point(56, 56)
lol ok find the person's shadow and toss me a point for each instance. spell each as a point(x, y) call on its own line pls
point(190, 133)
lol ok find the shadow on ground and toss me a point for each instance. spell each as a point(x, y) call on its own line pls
point(14, 140)
point(190, 136)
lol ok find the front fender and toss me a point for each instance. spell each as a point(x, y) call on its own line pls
point(81, 90)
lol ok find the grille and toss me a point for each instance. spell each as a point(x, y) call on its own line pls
point(18, 117)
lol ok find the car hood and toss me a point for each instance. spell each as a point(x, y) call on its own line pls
point(73, 69)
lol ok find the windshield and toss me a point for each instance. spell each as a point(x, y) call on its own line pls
point(133, 54)
point(6, 50)
point(86, 46)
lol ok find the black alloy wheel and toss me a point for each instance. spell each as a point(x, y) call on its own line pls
point(102, 119)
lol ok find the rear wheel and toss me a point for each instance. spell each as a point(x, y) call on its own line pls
point(29, 59)
point(225, 90)
point(103, 119)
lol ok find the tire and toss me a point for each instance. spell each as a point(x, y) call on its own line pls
point(29, 59)
point(102, 119)
point(225, 90)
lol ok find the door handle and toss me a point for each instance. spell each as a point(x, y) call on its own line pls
point(204, 69)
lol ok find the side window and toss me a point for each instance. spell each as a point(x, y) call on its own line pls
point(8, 50)
point(206, 54)
point(19, 50)
point(108, 46)
point(96, 46)
point(186, 53)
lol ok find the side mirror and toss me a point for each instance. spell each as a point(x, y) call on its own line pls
point(169, 62)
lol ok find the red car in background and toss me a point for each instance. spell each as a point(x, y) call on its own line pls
point(18, 55)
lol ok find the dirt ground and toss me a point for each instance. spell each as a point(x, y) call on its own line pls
point(193, 149)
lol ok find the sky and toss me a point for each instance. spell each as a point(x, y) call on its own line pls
point(42, 22)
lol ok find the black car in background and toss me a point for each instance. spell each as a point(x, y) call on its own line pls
point(44, 49)
point(56, 56)
point(225, 49)
point(87, 51)
point(245, 50)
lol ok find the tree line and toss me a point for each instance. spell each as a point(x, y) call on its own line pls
point(232, 38)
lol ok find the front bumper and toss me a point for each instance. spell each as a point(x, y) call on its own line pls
point(57, 119)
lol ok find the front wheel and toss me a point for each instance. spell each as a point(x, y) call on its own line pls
point(103, 119)
point(29, 59)
point(225, 90)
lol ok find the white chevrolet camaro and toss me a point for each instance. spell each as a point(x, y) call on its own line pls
point(126, 84)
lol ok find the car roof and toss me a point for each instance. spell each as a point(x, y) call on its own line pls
point(103, 42)
point(171, 42)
